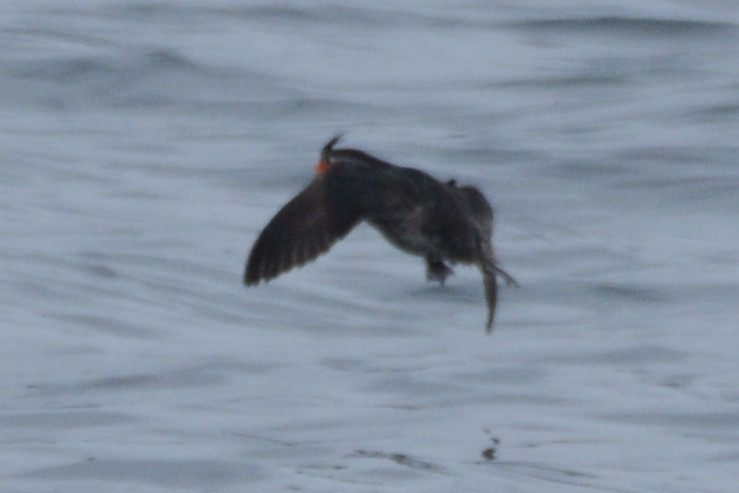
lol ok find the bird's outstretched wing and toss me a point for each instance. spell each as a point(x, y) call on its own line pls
point(303, 229)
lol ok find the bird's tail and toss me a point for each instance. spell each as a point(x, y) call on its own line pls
point(491, 292)
point(490, 273)
point(486, 261)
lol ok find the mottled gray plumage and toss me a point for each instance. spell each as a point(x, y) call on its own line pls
point(441, 222)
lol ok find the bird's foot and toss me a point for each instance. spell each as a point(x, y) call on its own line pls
point(438, 271)
point(509, 279)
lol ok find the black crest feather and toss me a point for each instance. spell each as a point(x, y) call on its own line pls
point(330, 145)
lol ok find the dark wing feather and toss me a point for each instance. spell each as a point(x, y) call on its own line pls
point(303, 229)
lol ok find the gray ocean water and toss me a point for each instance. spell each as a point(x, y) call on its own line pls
point(143, 146)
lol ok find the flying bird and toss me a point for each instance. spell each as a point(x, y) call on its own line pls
point(440, 221)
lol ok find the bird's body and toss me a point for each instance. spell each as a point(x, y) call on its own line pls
point(415, 212)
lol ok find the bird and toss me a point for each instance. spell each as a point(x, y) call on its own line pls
point(443, 222)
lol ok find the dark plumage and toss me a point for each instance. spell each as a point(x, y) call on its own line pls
point(442, 222)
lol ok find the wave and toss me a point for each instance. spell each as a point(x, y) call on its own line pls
point(625, 25)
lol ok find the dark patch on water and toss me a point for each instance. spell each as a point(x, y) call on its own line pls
point(400, 459)
point(106, 324)
point(581, 81)
point(630, 356)
point(209, 374)
point(182, 474)
point(337, 14)
point(548, 474)
point(724, 422)
point(514, 375)
point(629, 26)
point(491, 453)
point(631, 293)
point(65, 420)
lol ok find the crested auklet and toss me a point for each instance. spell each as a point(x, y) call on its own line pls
point(440, 221)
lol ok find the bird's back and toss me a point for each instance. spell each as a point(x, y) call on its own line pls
point(413, 210)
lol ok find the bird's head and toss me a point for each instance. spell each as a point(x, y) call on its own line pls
point(325, 163)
